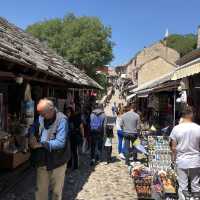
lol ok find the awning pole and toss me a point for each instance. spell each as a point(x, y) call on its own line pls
point(174, 121)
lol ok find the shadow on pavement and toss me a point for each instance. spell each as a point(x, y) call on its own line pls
point(76, 179)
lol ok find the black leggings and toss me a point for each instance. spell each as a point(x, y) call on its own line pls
point(108, 153)
point(73, 162)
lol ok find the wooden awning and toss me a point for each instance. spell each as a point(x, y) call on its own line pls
point(187, 70)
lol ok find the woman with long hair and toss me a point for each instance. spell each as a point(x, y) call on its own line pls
point(76, 135)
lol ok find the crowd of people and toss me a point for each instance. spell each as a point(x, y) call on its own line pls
point(57, 138)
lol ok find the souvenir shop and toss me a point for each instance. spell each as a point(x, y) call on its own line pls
point(153, 175)
point(191, 86)
point(18, 99)
point(158, 105)
point(31, 71)
point(17, 109)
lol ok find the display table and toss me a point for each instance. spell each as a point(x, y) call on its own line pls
point(13, 160)
point(155, 179)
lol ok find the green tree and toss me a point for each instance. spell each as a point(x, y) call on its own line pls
point(83, 41)
point(182, 43)
point(102, 79)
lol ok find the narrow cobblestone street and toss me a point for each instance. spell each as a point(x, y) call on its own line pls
point(104, 182)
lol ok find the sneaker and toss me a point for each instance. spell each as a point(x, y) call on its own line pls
point(121, 155)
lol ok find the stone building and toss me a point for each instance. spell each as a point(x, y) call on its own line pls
point(154, 69)
point(121, 70)
point(158, 49)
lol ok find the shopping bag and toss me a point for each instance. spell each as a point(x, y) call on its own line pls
point(84, 145)
point(139, 147)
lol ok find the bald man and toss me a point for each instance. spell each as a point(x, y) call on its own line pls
point(52, 149)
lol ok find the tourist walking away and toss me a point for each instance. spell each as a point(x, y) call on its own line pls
point(76, 128)
point(108, 142)
point(120, 134)
point(130, 124)
point(185, 140)
point(114, 109)
point(50, 150)
point(69, 112)
point(87, 138)
point(97, 120)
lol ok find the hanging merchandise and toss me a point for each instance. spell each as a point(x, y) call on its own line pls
point(184, 97)
point(70, 100)
point(153, 102)
point(61, 104)
point(28, 107)
point(27, 93)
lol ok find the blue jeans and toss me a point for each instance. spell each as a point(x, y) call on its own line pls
point(120, 141)
point(128, 146)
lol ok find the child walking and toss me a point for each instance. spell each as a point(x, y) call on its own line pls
point(108, 142)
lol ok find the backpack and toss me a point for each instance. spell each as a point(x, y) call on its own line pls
point(96, 122)
point(109, 131)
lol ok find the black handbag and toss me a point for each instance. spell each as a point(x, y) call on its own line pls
point(79, 139)
point(38, 157)
point(56, 158)
point(131, 136)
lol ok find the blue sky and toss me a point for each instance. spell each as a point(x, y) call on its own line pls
point(135, 23)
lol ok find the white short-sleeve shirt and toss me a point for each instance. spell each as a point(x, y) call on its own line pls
point(187, 137)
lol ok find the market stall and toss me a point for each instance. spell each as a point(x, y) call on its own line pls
point(16, 117)
point(153, 177)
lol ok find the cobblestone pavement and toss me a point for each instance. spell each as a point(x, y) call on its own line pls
point(106, 182)
point(102, 182)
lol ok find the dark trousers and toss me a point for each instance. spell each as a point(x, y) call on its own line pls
point(129, 148)
point(108, 153)
point(73, 162)
point(96, 144)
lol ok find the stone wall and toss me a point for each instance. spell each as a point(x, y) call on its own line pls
point(157, 49)
point(147, 54)
point(153, 70)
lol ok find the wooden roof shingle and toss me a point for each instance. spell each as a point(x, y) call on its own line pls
point(20, 47)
